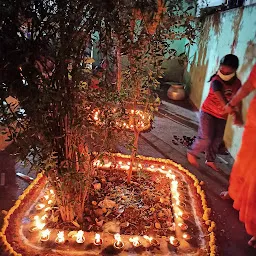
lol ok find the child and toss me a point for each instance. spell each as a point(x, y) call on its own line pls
point(213, 119)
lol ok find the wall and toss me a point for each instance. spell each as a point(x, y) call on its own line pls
point(233, 31)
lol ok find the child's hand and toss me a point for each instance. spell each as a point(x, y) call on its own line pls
point(238, 120)
point(227, 109)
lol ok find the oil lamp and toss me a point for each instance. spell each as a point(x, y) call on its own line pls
point(118, 243)
point(45, 235)
point(60, 239)
point(135, 241)
point(174, 241)
point(80, 237)
point(97, 240)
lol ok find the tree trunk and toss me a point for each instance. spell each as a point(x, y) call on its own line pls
point(119, 67)
point(134, 153)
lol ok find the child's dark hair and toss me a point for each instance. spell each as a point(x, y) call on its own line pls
point(229, 60)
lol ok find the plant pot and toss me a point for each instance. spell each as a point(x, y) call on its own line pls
point(176, 92)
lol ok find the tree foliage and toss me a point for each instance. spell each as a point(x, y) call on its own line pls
point(45, 63)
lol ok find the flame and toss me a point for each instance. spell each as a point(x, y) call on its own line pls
point(97, 238)
point(46, 197)
point(185, 236)
point(117, 238)
point(40, 225)
point(148, 238)
point(60, 237)
point(175, 184)
point(134, 241)
point(45, 234)
point(172, 238)
point(50, 202)
point(40, 206)
point(47, 209)
point(44, 217)
point(80, 237)
point(97, 163)
point(51, 191)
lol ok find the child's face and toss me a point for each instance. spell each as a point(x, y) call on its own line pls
point(226, 70)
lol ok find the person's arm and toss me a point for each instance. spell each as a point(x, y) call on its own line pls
point(242, 93)
point(217, 89)
point(248, 86)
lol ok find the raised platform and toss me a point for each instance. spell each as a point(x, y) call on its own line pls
point(191, 232)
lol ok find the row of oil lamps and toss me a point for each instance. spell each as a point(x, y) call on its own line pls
point(140, 124)
point(118, 244)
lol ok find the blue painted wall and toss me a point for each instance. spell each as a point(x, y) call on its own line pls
point(233, 31)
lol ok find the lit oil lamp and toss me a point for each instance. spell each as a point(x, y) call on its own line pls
point(174, 241)
point(46, 197)
point(179, 213)
point(96, 163)
point(40, 206)
point(108, 165)
point(177, 201)
point(118, 243)
point(151, 240)
point(47, 209)
point(38, 224)
point(135, 241)
point(183, 226)
point(50, 202)
point(97, 240)
point(44, 217)
point(80, 237)
point(45, 235)
point(187, 236)
point(60, 239)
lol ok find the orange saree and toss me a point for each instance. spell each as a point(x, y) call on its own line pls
point(242, 188)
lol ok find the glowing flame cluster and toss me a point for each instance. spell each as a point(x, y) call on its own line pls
point(138, 117)
point(118, 239)
point(60, 237)
point(80, 237)
point(134, 241)
point(45, 234)
point(39, 225)
point(97, 238)
point(148, 238)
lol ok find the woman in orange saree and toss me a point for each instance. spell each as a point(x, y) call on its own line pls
point(242, 184)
